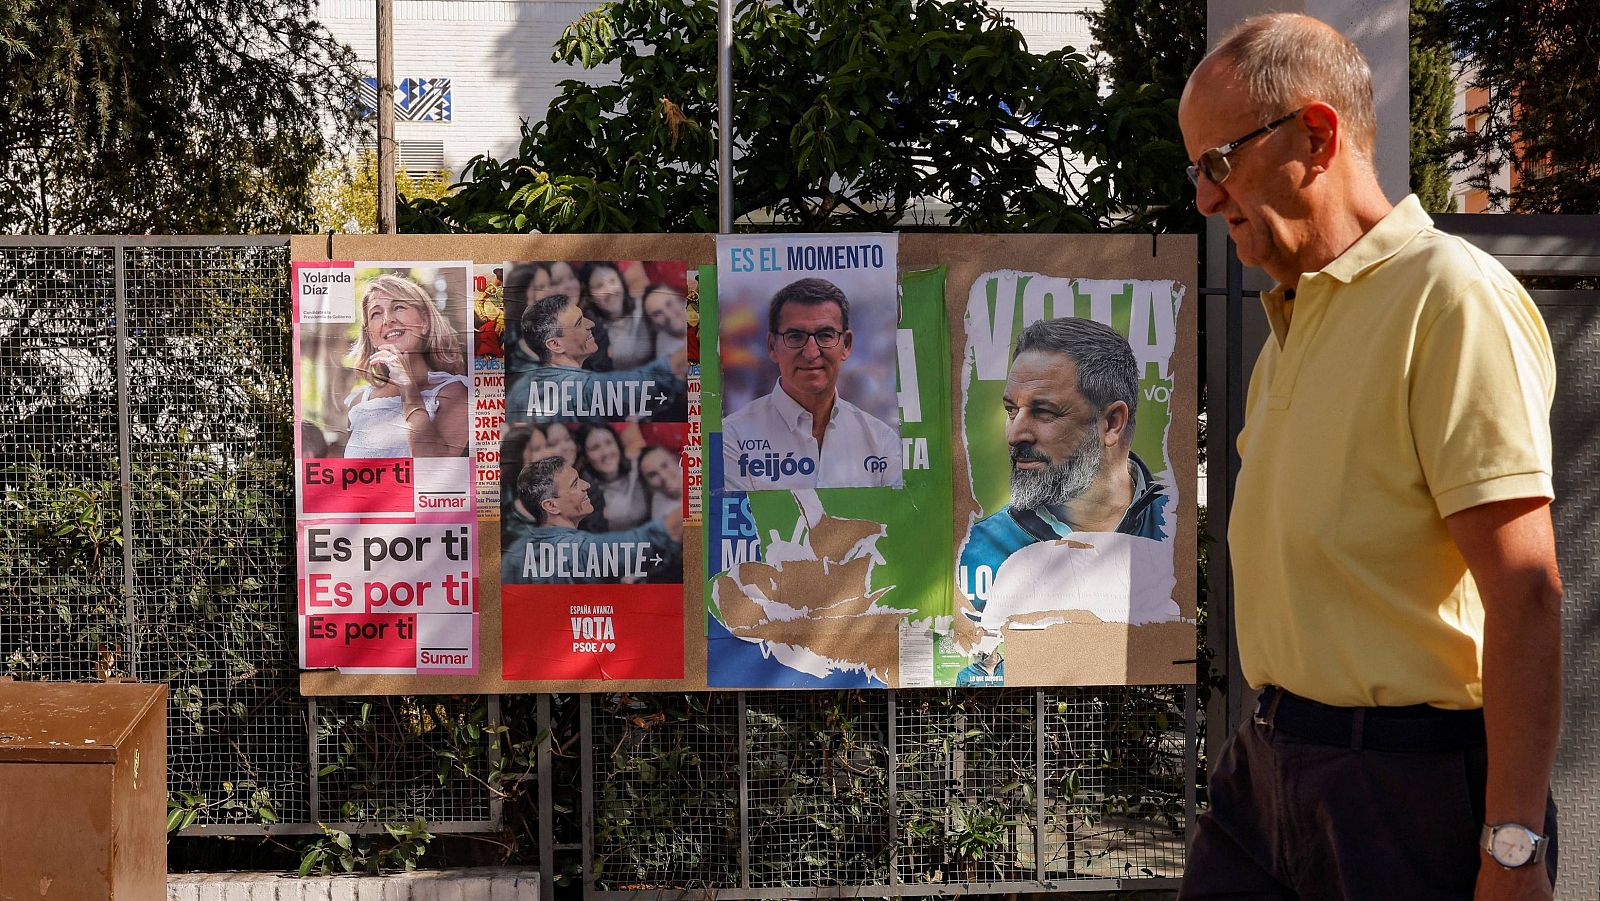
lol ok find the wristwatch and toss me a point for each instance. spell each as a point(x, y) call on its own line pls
point(1513, 845)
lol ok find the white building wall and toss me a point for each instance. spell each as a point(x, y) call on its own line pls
point(1051, 24)
point(497, 55)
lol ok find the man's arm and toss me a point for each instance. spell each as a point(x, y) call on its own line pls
point(1510, 548)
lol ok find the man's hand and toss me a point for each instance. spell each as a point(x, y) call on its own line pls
point(1510, 548)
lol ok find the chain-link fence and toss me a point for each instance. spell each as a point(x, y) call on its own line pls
point(162, 365)
point(884, 793)
point(146, 529)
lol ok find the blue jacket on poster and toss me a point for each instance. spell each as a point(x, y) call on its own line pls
point(1007, 530)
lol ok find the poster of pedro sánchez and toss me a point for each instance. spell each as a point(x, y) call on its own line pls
point(592, 468)
point(807, 351)
point(385, 500)
point(1065, 545)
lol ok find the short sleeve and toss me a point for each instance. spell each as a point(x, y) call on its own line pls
point(1481, 385)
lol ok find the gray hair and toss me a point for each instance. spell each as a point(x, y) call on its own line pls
point(541, 321)
point(1285, 60)
point(536, 483)
point(1107, 371)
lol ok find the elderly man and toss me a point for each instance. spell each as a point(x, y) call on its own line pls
point(547, 381)
point(1397, 594)
point(803, 434)
point(544, 544)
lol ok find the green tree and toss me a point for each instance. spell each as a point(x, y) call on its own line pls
point(1541, 67)
point(846, 116)
point(1157, 42)
point(165, 115)
point(1147, 49)
point(344, 194)
point(1432, 94)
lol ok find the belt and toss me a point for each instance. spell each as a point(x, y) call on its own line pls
point(1417, 728)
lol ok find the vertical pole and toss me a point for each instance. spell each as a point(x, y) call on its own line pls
point(893, 800)
point(386, 144)
point(1040, 781)
point(586, 793)
point(125, 462)
point(547, 805)
point(497, 803)
point(744, 792)
point(1191, 760)
point(725, 117)
point(314, 761)
point(1238, 691)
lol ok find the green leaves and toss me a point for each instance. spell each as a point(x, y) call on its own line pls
point(220, 112)
point(847, 116)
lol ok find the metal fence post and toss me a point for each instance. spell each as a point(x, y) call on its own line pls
point(1191, 760)
point(744, 791)
point(890, 801)
point(313, 763)
point(1040, 780)
point(547, 807)
point(497, 803)
point(586, 787)
point(125, 455)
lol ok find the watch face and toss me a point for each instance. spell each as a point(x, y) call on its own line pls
point(1511, 845)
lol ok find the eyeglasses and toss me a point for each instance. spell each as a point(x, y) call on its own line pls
point(795, 338)
point(1214, 165)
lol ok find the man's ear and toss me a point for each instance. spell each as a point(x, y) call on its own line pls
point(772, 346)
point(1324, 134)
point(1114, 421)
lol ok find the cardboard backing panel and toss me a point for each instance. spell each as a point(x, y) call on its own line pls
point(1120, 654)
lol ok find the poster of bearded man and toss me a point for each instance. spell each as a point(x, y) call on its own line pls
point(1064, 416)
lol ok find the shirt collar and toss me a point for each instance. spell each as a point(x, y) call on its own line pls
point(1393, 232)
point(794, 415)
point(1382, 241)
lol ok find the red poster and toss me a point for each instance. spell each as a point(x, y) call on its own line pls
point(592, 631)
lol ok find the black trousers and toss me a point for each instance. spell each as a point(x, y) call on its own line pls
point(1331, 817)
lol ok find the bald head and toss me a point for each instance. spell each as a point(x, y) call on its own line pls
point(1283, 61)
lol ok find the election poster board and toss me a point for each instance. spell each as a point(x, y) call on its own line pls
point(385, 497)
point(937, 638)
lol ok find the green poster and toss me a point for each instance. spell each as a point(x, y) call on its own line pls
point(1066, 392)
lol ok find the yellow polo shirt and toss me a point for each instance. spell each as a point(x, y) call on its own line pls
point(1409, 379)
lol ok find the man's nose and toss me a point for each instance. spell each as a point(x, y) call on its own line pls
point(1208, 196)
point(1018, 431)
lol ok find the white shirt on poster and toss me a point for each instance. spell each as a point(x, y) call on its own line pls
point(768, 445)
